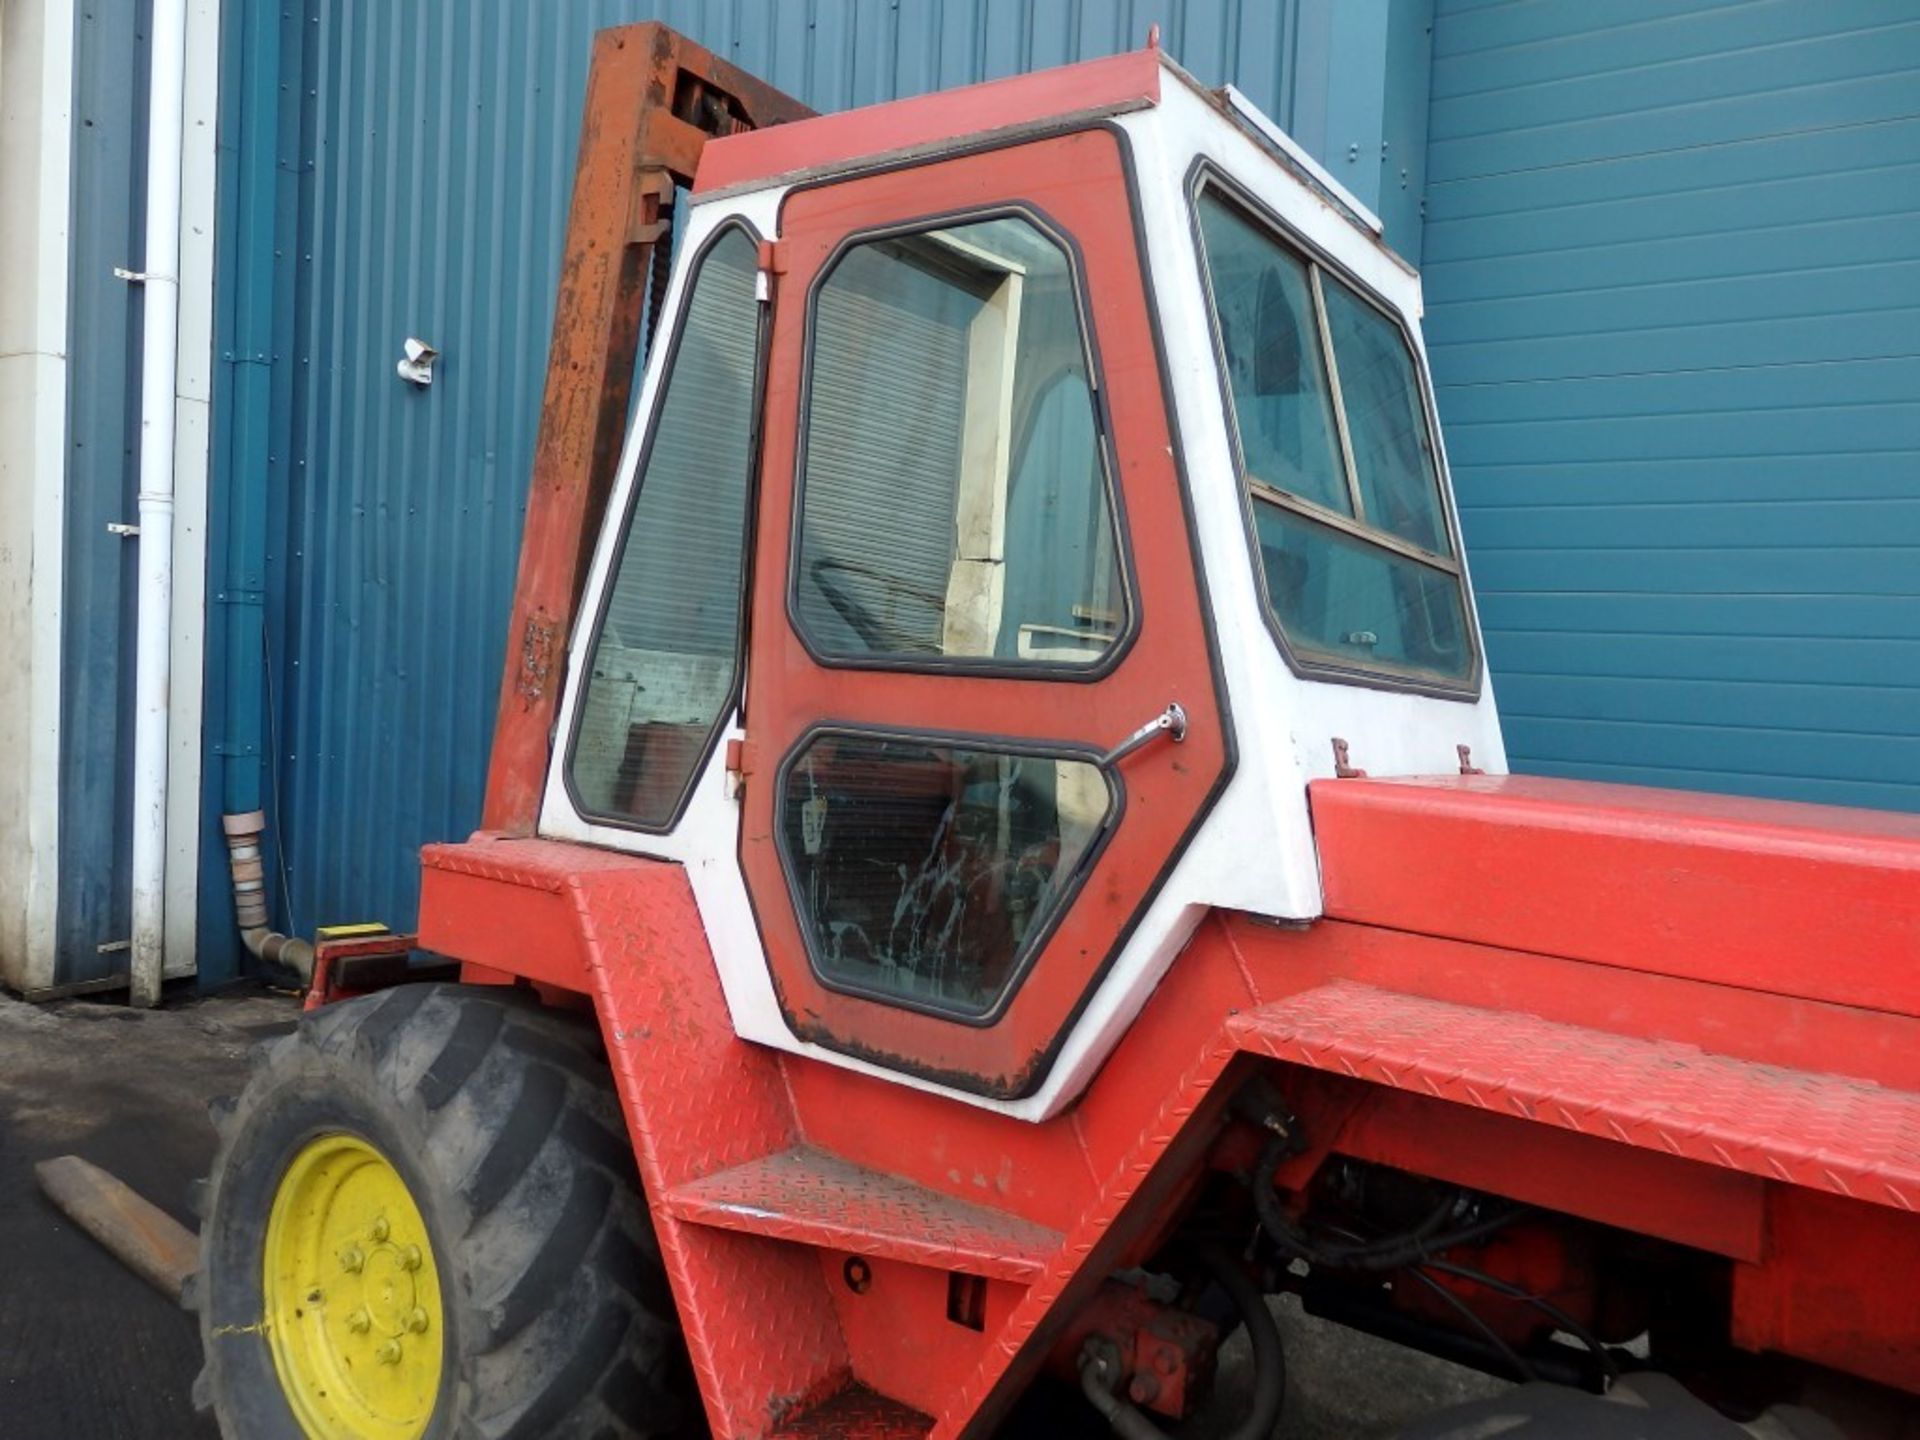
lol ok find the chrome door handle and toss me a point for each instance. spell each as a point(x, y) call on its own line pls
point(1171, 722)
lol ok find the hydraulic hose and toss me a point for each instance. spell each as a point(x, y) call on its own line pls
point(1394, 1252)
point(1099, 1374)
point(1100, 1371)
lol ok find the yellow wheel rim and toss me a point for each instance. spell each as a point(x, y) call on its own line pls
point(352, 1295)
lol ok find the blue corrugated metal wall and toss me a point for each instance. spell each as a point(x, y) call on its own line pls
point(1673, 283)
point(394, 170)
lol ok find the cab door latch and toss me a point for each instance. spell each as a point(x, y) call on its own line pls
point(1170, 722)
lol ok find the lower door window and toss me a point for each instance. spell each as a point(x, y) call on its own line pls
point(927, 871)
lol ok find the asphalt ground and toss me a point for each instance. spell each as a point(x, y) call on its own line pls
point(90, 1352)
point(87, 1350)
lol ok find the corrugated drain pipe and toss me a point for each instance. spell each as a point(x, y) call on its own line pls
point(247, 860)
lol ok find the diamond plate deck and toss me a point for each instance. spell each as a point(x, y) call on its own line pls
point(815, 1198)
point(856, 1414)
point(1824, 1132)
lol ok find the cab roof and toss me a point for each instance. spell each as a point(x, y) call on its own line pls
point(901, 128)
point(995, 110)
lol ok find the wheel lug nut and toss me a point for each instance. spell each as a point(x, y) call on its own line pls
point(360, 1321)
point(388, 1353)
point(380, 1231)
point(417, 1320)
point(410, 1257)
point(352, 1259)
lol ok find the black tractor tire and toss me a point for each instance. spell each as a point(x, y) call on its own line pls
point(502, 1120)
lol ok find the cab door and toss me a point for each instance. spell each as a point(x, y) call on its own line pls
point(973, 580)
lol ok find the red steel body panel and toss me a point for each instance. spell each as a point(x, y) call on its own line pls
point(1129, 81)
point(1804, 900)
point(957, 1149)
point(1855, 1306)
point(899, 1330)
point(1402, 1048)
point(1722, 1211)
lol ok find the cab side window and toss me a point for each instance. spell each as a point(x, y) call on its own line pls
point(1338, 461)
point(954, 493)
point(662, 667)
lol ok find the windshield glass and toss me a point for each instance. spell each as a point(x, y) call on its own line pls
point(1338, 459)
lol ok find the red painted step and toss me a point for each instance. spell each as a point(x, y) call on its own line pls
point(815, 1198)
point(1824, 1132)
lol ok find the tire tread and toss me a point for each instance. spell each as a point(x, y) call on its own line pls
point(575, 1334)
point(466, 1048)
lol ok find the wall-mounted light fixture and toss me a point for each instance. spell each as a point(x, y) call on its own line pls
point(417, 367)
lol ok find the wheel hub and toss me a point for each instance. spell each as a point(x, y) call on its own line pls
point(387, 1291)
point(352, 1295)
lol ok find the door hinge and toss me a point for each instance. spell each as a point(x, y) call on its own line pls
point(736, 763)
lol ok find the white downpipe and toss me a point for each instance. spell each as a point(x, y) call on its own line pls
point(153, 659)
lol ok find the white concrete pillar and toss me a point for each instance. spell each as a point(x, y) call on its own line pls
point(36, 128)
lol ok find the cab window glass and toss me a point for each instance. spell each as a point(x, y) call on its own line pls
point(1275, 369)
point(662, 665)
point(1392, 454)
point(924, 871)
point(954, 497)
point(1344, 597)
point(1341, 473)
